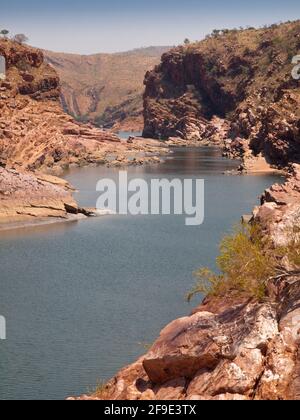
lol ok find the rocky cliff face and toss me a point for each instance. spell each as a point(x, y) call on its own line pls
point(35, 132)
point(229, 348)
point(105, 88)
point(241, 76)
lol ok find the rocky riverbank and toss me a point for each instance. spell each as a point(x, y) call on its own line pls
point(27, 198)
point(37, 137)
point(234, 89)
point(232, 347)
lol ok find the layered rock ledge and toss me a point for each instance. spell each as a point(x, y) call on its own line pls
point(26, 197)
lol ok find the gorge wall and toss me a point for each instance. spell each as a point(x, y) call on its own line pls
point(38, 137)
point(35, 133)
point(105, 88)
point(243, 77)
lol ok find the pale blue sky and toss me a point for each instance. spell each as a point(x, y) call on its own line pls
point(92, 26)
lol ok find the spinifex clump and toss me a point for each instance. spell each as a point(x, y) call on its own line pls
point(247, 262)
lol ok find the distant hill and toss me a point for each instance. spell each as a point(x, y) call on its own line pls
point(105, 88)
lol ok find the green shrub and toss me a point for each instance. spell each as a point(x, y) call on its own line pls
point(247, 262)
point(294, 255)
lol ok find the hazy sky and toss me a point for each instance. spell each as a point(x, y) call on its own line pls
point(90, 26)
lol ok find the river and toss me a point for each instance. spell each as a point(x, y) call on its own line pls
point(81, 300)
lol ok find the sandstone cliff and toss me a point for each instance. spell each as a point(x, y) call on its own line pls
point(35, 132)
point(105, 88)
point(242, 77)
point(231, 347)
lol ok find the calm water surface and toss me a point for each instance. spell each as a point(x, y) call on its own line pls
point(125, 134)
point(79, 298)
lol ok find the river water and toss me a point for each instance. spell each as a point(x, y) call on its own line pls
point(81, 300)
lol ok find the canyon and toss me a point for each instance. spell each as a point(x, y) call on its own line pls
point(234, 89)
point(106, 89)
point(36, 135)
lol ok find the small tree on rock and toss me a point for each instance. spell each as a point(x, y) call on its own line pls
point(216, 32)
point(4, 33)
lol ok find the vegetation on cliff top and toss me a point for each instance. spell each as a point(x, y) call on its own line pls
point(18, 38)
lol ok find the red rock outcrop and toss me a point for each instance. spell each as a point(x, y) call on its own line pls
point(242, 76)
point(35, 132)
point(229, 348)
